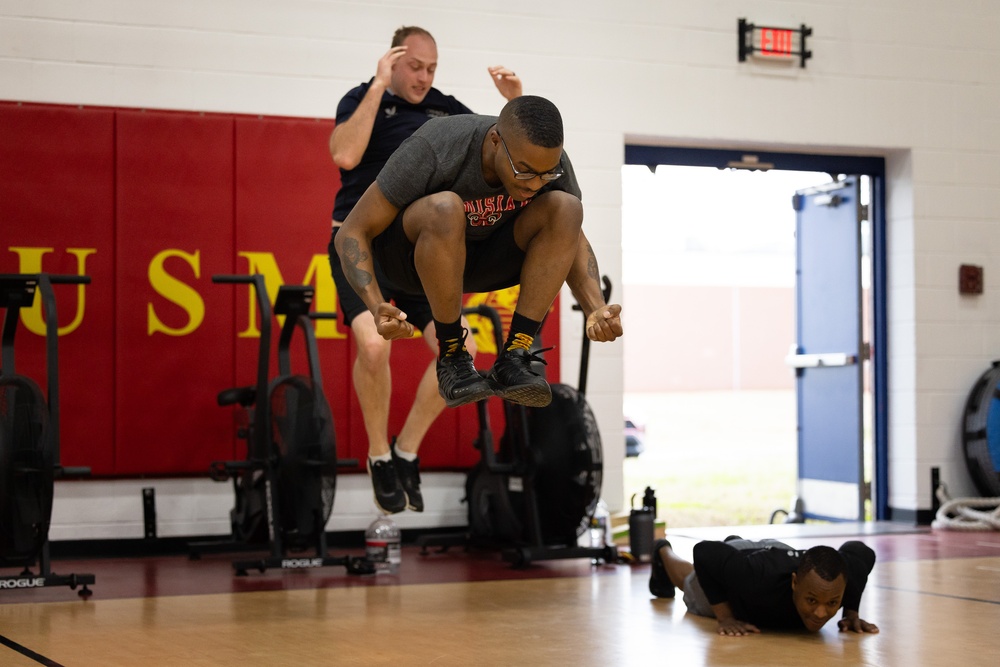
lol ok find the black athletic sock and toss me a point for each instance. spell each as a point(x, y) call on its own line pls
point(449, 336)
point(522, 332)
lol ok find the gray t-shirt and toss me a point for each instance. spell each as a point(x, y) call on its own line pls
point(445, 155)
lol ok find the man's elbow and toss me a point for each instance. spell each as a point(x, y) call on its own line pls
point(338, 241)
point(344, 160)
point(349, 238)
point(341, 154)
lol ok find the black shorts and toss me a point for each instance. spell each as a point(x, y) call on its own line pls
point(491, 263)
point(416, 307)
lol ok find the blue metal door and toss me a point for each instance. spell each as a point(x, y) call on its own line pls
point(828, 356)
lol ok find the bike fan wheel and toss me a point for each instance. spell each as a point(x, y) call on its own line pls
point(569, 464)
point(27, 468)
point(306, 458)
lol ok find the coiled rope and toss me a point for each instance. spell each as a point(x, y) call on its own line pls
point(959, 513)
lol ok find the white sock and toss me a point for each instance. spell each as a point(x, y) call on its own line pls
point(406, 456)
point(384, 458)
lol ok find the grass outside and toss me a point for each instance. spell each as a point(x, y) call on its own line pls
point(723, 458)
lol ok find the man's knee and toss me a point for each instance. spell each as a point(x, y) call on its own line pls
point(373, 351)
point(441, 214)
point(562, 207)
point(555, 216)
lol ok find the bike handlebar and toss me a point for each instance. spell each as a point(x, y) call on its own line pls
point(69, 280)
point(227, 278)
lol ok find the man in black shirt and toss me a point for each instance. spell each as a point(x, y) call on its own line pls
point(749, 585)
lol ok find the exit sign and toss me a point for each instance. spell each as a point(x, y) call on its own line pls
point(771, 43)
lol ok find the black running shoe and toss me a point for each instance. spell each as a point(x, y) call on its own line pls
point(458, 380)
point(659, 582)
point(514, 381)
point(408, 473)
point(389, 495)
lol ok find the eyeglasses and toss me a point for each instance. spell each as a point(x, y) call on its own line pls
point(527, 175)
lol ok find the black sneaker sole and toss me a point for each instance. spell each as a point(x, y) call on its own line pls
point(417, 506)
point(389, 510)
point(474, 393)
point(529, 395)
point(414, 508)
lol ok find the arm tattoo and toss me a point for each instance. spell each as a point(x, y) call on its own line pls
point(358, 277)
point(592, 270)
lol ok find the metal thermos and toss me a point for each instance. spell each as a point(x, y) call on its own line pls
point(649, 500)
point(641, 530)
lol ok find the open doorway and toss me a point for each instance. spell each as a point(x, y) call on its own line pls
point(709, 273)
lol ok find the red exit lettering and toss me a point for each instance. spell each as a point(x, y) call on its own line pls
point(775, 42)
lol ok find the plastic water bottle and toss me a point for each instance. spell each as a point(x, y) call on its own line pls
point(600, 526)
point(382, 545)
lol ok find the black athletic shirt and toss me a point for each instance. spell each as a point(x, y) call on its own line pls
point(757, 583)
point(396, 120)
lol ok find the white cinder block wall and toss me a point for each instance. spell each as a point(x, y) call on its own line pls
point(916, 81)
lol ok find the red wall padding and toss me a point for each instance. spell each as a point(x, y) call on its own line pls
point(57, 214)
point(285, 184)
point(150, 205)
point(174, 191)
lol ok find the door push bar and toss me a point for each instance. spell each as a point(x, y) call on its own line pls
point(796, 360)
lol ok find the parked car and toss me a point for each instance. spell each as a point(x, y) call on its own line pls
point(634, 438)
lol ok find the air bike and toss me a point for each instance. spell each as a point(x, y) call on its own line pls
point(29, 442)
point(285, 487)
point(533, 497)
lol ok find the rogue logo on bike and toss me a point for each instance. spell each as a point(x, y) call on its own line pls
point(36, 582)
point(302, 562)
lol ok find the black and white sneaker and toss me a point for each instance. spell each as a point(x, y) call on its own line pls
point(458, 380)
point(389, 494)
point(515, 382)
point(408, 473)
point(659, 582)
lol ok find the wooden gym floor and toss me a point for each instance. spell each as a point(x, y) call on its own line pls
point(934, 594)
